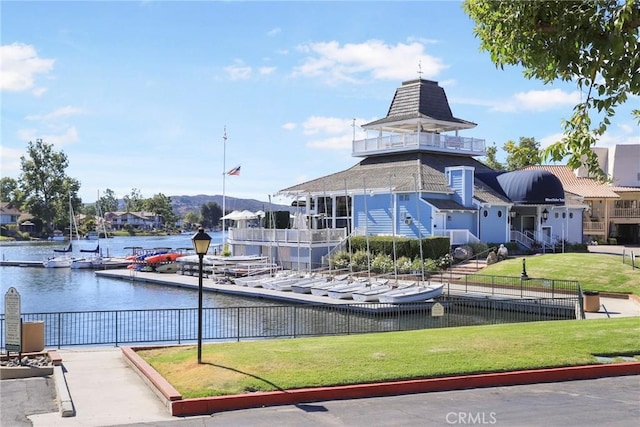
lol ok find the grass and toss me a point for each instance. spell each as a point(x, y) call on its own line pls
point(235, 368)
point(596, 272)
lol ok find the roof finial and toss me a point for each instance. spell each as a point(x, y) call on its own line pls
point(419, 69)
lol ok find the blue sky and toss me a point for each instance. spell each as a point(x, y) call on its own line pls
point(138, 94)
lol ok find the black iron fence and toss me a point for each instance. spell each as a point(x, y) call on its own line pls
point(125, 327)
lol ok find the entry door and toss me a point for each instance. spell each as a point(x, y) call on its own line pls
point(439, 221)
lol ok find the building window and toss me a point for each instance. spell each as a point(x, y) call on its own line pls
point(499, 214)
point(486, 214)
point(570, 214)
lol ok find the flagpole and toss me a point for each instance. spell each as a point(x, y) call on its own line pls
point(224, 178)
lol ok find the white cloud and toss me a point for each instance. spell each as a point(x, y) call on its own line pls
point(266, 70)
point(289, 126)
point(274, 31)
point(239, 71)
point(331, 133)
point(352, 62)
point(56, 114)
point(58, 139)
point(537, 100)
point(330, 125)
point(19, 64)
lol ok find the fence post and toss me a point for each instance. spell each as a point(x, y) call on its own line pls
point(59, 330)
point(179, 325)
point(116, 327)
point(238, 324)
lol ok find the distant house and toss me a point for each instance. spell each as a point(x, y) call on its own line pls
point(9, 214)
point(136, 220)
point(612, 211)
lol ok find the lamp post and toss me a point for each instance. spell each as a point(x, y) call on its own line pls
point(201, 241)
point(524, 276)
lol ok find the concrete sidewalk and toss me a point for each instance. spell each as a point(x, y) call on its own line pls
point(105, 391)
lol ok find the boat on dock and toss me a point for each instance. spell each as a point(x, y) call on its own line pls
point(412, 294)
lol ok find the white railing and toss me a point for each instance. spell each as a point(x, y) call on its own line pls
point(419, 141)
point(523, 239)
point(287, 235)
point(457, 237)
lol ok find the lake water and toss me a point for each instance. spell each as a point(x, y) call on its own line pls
point(63, 289)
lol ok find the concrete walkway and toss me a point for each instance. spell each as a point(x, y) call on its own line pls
point(105, 391)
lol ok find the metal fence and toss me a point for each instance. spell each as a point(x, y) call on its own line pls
point(125, 327)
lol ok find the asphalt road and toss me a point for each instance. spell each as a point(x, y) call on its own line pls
point(612, 402)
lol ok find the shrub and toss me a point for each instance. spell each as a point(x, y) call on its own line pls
point(382, 263)
point(404, 265)
point(360, 261)
point(340, 260)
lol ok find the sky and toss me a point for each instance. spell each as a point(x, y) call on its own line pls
point(140, 95)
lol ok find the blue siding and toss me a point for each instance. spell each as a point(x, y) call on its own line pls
point(379, 218)
point(493, 224)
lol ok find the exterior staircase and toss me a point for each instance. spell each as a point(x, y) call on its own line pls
point(456, 272)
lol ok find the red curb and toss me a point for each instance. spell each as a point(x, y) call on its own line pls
point(208, 405)
point(205, 406)
point(162, 386)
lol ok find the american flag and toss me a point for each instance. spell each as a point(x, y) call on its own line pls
point(234, 171)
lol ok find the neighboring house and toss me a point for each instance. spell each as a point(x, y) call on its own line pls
point(418, 177)
point(135, 220)
point(9, 215)
point(612, 211)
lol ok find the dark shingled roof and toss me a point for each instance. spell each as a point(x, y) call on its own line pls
point(421, 99)
point(446, 204)
point(402, 172)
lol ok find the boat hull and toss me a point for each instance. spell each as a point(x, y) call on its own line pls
point(411, 294)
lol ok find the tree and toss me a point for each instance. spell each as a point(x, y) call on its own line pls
point(490, 159)
point(525, 153)
point(108, 202)
point(133, 202)
point(160, 204)
point(192, 218)
point(594, 43)
point(10, 191)
point(45, 185)
point(211, 213)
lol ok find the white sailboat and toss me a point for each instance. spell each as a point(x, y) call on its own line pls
point(64, 260)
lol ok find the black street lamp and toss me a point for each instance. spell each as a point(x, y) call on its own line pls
point(524, 276)
point(545, 215)
point(201, 241)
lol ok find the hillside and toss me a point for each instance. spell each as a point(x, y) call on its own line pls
point(183, 204)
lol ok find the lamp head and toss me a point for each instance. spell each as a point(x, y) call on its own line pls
point(201, 241)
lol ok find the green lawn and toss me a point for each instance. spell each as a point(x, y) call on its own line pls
point(234, 368)
point(598, 272)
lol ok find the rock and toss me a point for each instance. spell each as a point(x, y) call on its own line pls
point(462, 252)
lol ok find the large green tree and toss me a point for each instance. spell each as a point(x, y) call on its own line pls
point(491, 159)
point(525, 153)
point(10, 191)
point(211, 213)
point(594, 43)
point(133, 202)
point(108, 202)
point(160, 204)
point(46, 187)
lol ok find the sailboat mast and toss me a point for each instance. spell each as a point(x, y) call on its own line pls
point(224, 178)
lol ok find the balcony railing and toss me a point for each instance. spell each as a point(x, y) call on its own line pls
point(593, 227)
point(269, 235)
point(418, 141)
point(625, 213)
